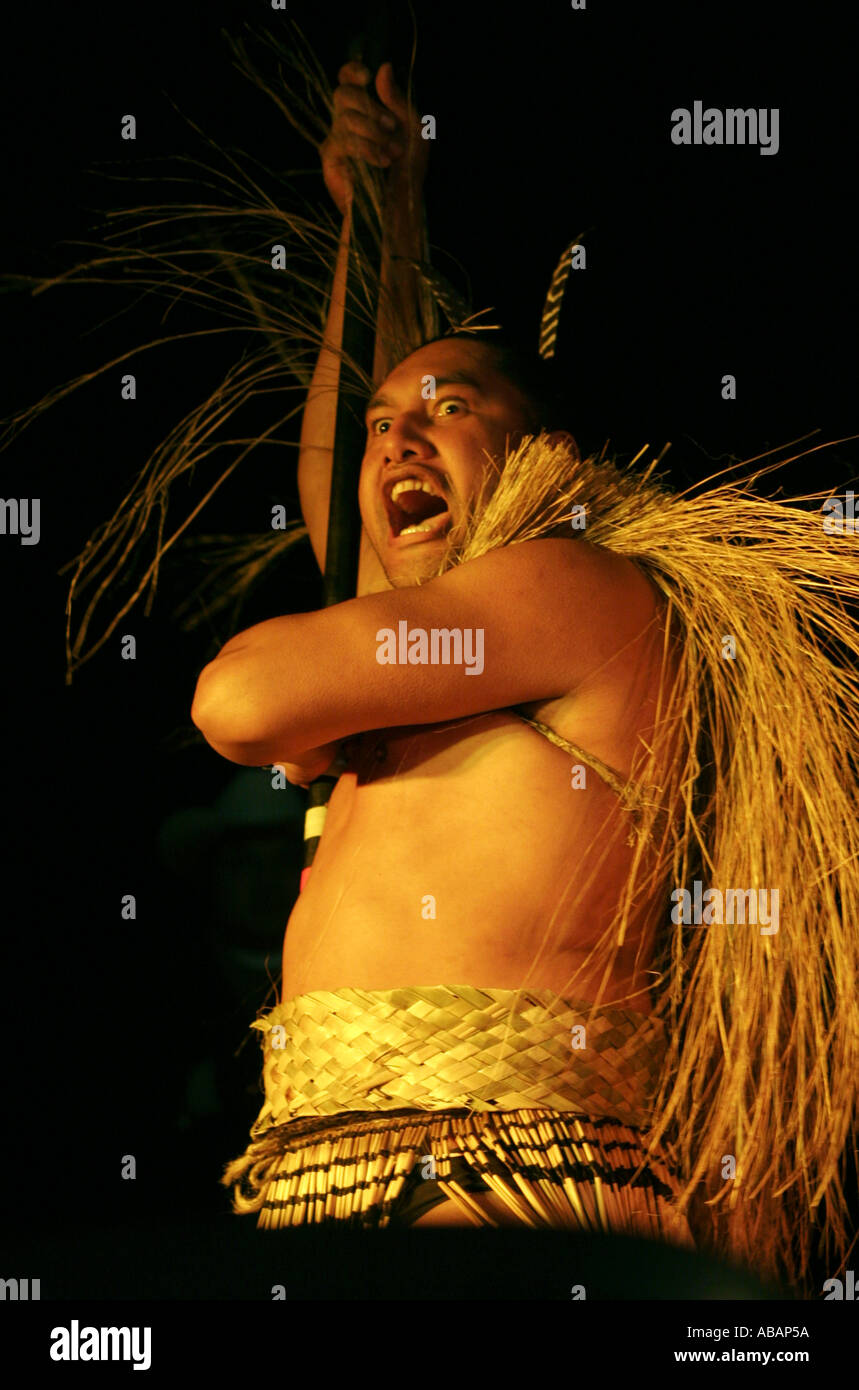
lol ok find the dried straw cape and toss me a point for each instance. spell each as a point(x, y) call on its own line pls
point(763, 1031)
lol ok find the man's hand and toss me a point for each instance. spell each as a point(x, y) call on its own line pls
point(300, 773)
point(312, 765)
point(379, 132)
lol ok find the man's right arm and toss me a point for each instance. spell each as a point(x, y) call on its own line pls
point(358, 132)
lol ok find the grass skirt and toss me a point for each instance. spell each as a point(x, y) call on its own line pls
point(537, 1100)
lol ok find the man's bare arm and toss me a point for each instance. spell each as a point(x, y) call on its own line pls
point(554, 616)
point(358, 132)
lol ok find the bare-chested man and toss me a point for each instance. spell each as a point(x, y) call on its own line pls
point(445, 790)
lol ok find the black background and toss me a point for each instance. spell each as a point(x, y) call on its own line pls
point(701, 261)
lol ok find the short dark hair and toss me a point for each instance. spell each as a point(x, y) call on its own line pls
point(535, 377)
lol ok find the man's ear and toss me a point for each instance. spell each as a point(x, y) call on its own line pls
point(564, 437)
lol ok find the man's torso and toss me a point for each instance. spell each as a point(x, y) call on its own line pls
point(469, 852)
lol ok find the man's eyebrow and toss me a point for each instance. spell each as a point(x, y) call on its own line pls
point(460, 379)
point(452, 379)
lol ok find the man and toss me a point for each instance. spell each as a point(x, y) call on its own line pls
point(563, 699)
point(481, 832)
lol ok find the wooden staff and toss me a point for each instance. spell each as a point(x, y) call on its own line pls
point(357, 348)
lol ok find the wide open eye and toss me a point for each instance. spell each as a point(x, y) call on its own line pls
point(373, 425)
point(459, 405)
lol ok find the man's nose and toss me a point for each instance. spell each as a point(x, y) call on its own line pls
point(406, 440)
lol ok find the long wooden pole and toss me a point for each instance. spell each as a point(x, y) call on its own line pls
point(357, 350)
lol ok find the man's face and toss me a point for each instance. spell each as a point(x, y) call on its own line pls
point(426, 457)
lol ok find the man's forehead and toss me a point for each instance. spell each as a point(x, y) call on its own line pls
point(449, 363)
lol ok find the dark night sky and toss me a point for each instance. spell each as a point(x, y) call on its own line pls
point(550, 121)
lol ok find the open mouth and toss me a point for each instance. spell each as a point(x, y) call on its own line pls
point(415, 508)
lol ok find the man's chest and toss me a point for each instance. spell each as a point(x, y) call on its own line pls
point(402, 750)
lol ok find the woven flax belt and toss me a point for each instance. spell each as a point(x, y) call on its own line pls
point(543, 1099)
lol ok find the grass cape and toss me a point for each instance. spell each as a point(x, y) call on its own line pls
point(764, 1029)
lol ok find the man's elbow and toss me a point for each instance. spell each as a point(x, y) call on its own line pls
point(209, 707)
point(223, 710)
point(232, 717)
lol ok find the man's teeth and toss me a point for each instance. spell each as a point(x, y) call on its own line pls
point(410, 485)
point(424, 526)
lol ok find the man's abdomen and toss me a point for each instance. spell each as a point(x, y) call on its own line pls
point(463, 854)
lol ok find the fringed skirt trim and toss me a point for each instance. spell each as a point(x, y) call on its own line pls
point(546, 1170)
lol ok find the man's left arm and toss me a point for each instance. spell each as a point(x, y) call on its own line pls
point(536, 621)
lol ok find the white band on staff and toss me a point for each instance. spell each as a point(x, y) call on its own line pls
point(314, 821)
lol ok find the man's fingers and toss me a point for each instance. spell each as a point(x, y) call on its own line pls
point(357, 99)
point(389, 93)
point(354, 147)
point(369, 150)
point(354, 72)
point(369, 126)
point(362, 127)
point(352, 98)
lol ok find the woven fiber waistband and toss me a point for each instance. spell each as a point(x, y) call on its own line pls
point(453, 1046)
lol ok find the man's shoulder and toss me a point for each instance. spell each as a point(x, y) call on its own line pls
point(567, 570)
